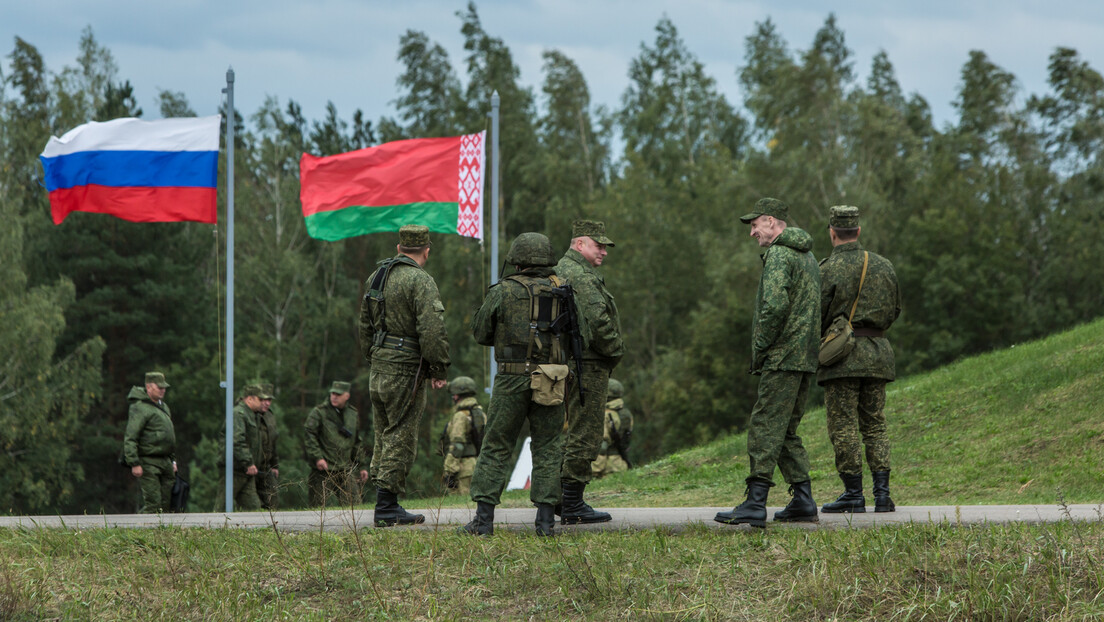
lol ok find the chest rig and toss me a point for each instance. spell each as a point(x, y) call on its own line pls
point(377, 304)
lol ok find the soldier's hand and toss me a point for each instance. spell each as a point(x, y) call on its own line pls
point(363, 477)
point(251, 469)
point(136, 471)
point(276, 472)
point(450, 480)
point(439, 383)
point(321, 465)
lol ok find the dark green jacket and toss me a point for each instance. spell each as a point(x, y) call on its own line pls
point(597, 310)
point(412, 308)
point(247, 439)
point(323, 438)
point(879, 306)
point(149, 430)
point(269, 458)
point(786, 323)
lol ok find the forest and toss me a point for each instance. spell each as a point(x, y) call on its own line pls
point(971, 214)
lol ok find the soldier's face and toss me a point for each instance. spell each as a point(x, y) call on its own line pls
point(253, 402)
point(763, 230)
point(338, 400)
point(592, 251)
point(155, 392)
point(265, 404)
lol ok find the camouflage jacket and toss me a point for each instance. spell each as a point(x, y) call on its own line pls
point(502, 321)
point(879, 306)
point(269, 458)
point(247, 439)
point(149, 430)
point(618, 428)
point(786, 323)
point(412, 308)
point(597, 310)
point(324, 439)
point(461, 443)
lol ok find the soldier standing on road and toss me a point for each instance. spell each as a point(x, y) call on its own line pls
point(247, 449)
point(465, 433)
point(855, 388)
point(402, 334)
point(517, 318)
point(268, 465)
point(617, 434)
point(785, 344)
point(149, 445)
point(604, 349)
point(331, 435)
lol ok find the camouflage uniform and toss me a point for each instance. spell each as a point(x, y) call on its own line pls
point(854, 388)
point(268, 484)
point(334, 435)
point(150, 442)
point(604, 348)
point(406, 345)
point(463, 450)
point(247, 452)
point(616, 436)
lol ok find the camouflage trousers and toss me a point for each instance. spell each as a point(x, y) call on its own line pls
point(268, 489)
point(155, 485)
point(585, 424)
point(463, 468)
point(396, 416)
point(337, 485)
point(856, 406)
point(772, 431)
point(511, 405)
point(245, 492)
point(606, 464)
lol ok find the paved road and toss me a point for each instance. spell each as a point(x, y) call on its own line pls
point(516, 519)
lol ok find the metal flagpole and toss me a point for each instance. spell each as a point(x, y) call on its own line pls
point(494, 209)
point(228, 384)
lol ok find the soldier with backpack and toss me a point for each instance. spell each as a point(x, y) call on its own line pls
point(462, 437)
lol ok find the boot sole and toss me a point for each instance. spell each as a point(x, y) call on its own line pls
point(391, 522)
point(566, 520)
point(752, 522)
point(798, 519)
point(847, 511)
point(885, 509)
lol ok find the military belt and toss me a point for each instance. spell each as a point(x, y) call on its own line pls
point(406, 344)
point(521, 369)
point(869, 332)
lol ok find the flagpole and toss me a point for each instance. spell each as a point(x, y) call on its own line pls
point(229, 382)
point(494, 210)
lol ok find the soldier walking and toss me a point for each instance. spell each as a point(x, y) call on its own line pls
point(332, 437)
point(149, 444)
point(268, 466)
point(402, 334)
point(247, 448)
point(855, 387)
point(785, 344)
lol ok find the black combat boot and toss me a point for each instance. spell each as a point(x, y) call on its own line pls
point(801, 508)
point(575, 510)
point(389, 512)
point(851, 500)
point(753, 511)
point(882, 502)
point(483, 523)
point(546, 520)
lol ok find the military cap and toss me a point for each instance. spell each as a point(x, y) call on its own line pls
point(768, 207)
point(594, 229)
point(157, 378)
point(253, 389)
point(414, 236)
point(843, 217)
point(340, 387)
point(267, 392)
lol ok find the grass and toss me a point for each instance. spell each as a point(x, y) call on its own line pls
point(1016, 426)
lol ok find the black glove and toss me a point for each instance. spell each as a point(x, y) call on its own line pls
point(451, 481)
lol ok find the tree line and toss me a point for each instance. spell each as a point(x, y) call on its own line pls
point(991, 220)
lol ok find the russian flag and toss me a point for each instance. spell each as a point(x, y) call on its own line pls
point(141, 171)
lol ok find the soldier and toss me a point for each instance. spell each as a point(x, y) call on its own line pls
point(855, 387)
point(613, 457)
point(332, 436)
point(518, 318)
point(785, 343)
point(604, 349)
point(465, 434)
point(402, 334)
point(247, 449)
point(149, 445)
point(268, 465)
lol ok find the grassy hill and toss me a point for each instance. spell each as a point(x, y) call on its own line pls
point(1009, 427)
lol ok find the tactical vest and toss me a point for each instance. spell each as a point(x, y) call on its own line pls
point(529, 337)
point(377, 307)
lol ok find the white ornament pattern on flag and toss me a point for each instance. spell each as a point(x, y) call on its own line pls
point(469, 220)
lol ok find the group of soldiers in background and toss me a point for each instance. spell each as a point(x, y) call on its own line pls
point(557, 337)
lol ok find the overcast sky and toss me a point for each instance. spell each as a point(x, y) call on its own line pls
point(344, 50)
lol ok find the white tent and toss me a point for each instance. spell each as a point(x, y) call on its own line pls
point(519, 480)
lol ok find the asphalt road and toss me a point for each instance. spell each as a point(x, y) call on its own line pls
point(517, 519)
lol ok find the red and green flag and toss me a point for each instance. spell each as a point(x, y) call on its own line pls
point(436, 182)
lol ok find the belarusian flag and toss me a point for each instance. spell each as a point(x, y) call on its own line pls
point(436, 182)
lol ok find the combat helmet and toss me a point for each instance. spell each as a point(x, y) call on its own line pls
point(531, 249)
point(462, 385)
point(615, 390)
